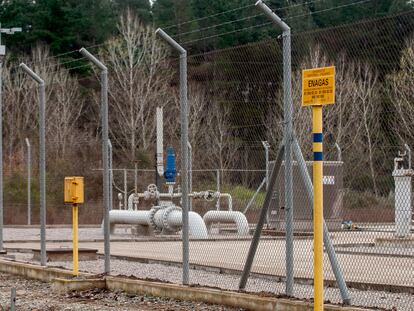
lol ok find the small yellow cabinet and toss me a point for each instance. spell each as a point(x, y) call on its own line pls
point(74, 190)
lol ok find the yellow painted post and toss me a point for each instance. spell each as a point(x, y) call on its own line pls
point(74, 194)
point(317, 206)
point(318, 89)
point(75, 238)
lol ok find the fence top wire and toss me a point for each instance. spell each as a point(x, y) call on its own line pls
point(262, 24)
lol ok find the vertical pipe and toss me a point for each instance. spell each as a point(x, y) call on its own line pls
point(338, 148)
point(125, 189)
point(42, 175)
point(1, 156)
point(266, 146)
point(327, 240)
point(29, 182)
point(317, 207)
point(75, 239)
point(288, 110)
point(104, 100)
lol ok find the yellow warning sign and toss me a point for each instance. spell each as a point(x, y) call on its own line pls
point(318, 86)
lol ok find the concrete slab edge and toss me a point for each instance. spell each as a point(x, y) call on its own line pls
point(213, 296)
point(61, 282)
point(64, 285)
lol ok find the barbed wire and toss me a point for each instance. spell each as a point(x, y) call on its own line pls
point(207, 17)
point(268, 23)
point(218, 25)
point(91, 47)
point(238, 9)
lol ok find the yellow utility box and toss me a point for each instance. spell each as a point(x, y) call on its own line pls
point(74, 190)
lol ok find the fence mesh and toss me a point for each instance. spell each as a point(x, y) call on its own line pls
point(235, 98)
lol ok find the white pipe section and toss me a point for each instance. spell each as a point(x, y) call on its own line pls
point(117, 217)
point(131, 199)
point(229, 200)
point(160, 141)
point(228, 217)
point(196, 227)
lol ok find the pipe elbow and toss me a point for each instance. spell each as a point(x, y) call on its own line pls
point(237, 218)
point(196, 226)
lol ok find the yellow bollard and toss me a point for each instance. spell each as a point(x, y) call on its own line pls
point(75, 239)
point(318, 206)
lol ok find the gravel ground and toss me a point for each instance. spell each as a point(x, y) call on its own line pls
point(378, 299)
point(35, 296)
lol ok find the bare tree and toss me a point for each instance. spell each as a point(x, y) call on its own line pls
point(367, 90)
point(400, 86)
point(64, 111)
point(140, 78)
point(220, 141)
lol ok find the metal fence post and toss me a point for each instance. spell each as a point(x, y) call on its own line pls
point(13, 299)
point(42, 160)
point(218, 189)
point(288, 111)
point(9, 31)
point(125, 189)
point(190, 174)
point(111, 175)
point(29, 182)
point(184, 140)
point(104, 116)
point(42, 154)
point(1, 156)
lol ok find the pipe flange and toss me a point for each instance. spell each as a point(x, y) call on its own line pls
point(153, 211)
point(165, 215)
point(210, 195)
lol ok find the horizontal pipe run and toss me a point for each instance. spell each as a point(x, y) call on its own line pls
point(170, 195)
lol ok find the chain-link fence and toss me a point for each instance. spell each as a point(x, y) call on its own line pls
point(236, 126)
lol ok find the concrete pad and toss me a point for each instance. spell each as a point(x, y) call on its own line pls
point(66, 254)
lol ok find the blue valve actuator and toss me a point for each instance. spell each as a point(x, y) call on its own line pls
point(170, 171)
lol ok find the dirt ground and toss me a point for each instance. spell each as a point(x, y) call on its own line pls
point(37, 296)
